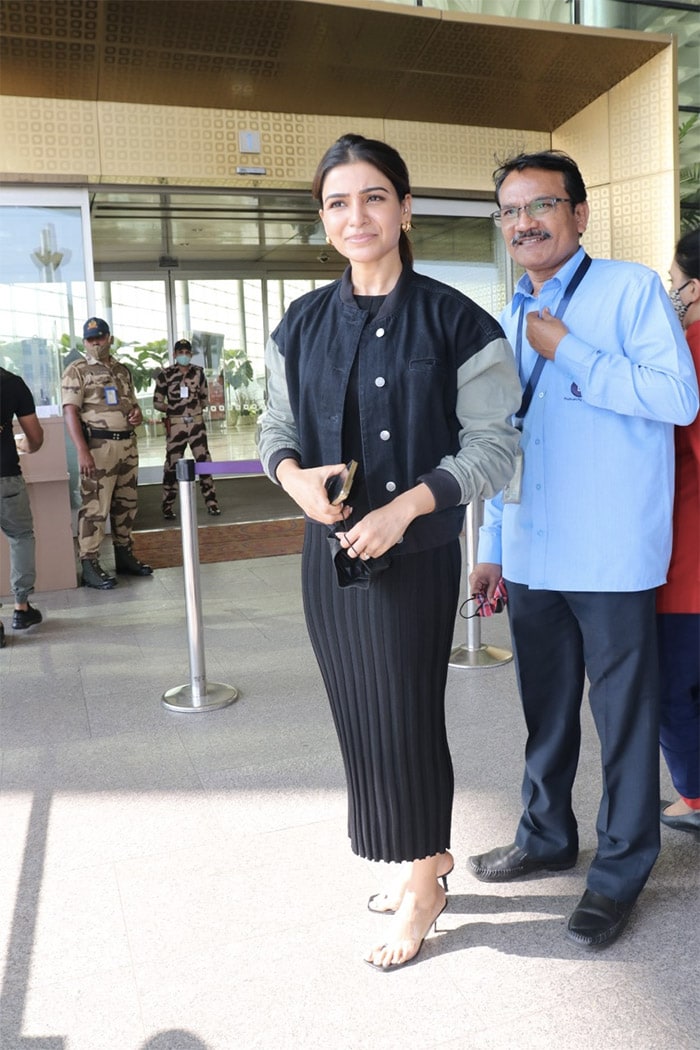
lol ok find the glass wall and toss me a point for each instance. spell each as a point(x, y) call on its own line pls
point(45, 260)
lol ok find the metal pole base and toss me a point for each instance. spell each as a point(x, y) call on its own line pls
point(484, 656)
point(180, 698)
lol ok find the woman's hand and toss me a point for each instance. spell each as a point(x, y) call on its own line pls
point(381, 529)
point(307, 487)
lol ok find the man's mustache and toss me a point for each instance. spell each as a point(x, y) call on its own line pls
point(537, 235)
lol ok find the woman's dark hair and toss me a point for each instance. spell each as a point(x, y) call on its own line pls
point(548, 160)
point(687, 254)
point(351, 148)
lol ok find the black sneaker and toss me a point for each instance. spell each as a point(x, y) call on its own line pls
point(213, 510)
point(3, 643)
point(168, 514)
point(23, 618)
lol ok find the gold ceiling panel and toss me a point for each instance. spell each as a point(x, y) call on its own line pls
point(308, 56)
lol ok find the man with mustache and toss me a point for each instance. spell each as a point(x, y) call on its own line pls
point(582, 534)
point(101, 412)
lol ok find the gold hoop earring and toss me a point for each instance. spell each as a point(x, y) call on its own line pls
point(406, 226)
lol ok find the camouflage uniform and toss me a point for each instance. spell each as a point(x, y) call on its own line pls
point(184, 425)
point(112, 491)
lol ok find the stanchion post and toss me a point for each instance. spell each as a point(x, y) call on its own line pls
point(474, 654)
point(198, 695)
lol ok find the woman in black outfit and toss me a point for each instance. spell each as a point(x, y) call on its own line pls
point(416, 383)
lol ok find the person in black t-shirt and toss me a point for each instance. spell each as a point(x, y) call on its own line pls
point(15, 512)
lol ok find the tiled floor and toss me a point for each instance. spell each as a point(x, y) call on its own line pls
point(183, 881)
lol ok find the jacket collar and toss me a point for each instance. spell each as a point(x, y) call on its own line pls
point(393, 300)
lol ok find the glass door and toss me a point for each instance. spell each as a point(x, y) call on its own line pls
point(46, 290)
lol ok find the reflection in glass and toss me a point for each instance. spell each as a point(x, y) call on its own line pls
point(42, 281)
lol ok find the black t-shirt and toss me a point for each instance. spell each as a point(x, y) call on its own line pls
point(15, 400)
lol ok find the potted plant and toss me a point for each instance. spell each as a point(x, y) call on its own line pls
point(238, 374)
point(144, 363)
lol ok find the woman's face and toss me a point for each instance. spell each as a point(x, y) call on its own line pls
point(361, 212)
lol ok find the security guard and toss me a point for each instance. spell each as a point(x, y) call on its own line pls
point(182, 394)
point(101, 411)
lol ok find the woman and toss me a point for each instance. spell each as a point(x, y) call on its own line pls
point(417, 384)
point(678, 604)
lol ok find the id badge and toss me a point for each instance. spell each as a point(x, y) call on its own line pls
point(111, 395)
point(513, 490)
point(184, 391)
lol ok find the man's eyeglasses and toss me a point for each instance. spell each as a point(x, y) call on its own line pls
point(540, 208)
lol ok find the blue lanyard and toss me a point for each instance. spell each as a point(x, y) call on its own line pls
point(533, 379)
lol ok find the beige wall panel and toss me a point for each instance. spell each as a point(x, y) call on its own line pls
point(187, 146)
point(585, 138)
point(643, 119)
point(642, 224)
point(450, 157)
point(47, 136)
point(597, 240)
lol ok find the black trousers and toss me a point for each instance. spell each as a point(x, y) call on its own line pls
point(558, 638)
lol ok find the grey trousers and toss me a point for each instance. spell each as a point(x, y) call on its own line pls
point(17, 524)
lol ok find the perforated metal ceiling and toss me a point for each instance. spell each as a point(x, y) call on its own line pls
point(304, 56)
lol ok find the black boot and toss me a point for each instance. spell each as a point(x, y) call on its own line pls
point(95, 576)
point(126, 563)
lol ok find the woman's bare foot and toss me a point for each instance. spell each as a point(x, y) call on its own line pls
point(679, 808)
point(410, 926)
point(388, 903)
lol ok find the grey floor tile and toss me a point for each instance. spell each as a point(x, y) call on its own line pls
point(175, 881)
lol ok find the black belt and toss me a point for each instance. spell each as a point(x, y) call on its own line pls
point(110, 435)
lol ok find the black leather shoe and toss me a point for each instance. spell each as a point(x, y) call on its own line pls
point(23, 618)
point(510, 862)
point(682, 822)
point(597, 920)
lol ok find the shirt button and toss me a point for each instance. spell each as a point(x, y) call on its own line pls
point(540, 394)
point(537, 441)
point(390, 486)
point(538, 487)
point(380, 381)
point(384, 435)
point(379, 333)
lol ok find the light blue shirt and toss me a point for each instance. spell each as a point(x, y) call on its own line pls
point(597, 494)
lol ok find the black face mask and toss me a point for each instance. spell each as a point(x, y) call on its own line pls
point(355, 572)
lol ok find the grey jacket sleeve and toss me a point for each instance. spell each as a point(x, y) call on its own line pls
point(277, 431)
point(488, 394)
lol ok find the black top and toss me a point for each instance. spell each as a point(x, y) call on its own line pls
point(15, 400)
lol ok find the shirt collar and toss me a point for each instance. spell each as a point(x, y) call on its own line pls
point(553, 289)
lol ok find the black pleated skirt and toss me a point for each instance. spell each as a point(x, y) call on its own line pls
point(384, 654)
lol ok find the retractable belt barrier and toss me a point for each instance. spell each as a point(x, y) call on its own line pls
point(198, 695)
point(474, 654)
